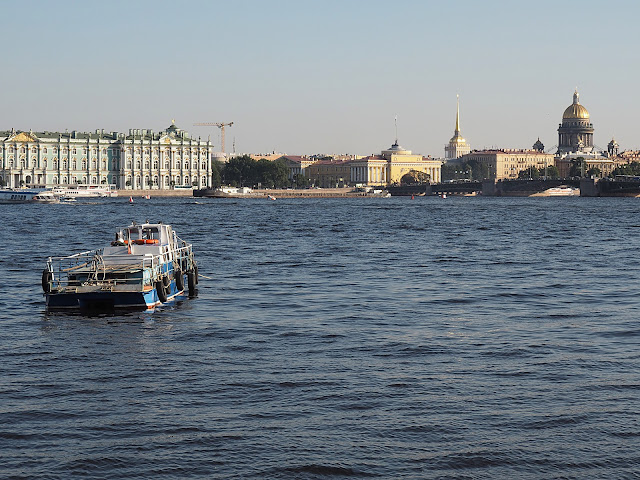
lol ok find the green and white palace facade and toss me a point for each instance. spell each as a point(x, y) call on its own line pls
point(140, 160)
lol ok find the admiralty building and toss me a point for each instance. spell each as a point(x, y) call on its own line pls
point(140, 160)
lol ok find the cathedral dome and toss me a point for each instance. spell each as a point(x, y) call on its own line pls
point(575, 110)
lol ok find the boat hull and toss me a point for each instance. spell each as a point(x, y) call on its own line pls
point(109, 300)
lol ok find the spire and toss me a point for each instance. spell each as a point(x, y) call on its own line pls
point(396, 130)
point(457, 132)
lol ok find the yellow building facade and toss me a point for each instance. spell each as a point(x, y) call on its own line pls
point(507, 164)
point(391, 165)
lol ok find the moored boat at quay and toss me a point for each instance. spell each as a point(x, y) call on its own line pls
point(84, 190)
point(144, 267)
point(27, 195)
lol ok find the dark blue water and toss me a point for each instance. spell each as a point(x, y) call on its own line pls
point(465, 338)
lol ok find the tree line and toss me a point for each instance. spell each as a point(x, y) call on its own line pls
point(244, 171)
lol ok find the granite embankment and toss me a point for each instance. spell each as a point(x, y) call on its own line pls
point(308, 193)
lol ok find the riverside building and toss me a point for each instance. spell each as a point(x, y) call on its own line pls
point(507, 164)
point(138, 160)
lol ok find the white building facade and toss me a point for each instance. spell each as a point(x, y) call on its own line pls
point(140, 160)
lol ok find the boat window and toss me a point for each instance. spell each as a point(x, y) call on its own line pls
point(150, 233)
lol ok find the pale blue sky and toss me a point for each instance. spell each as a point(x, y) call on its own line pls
point(323, 76)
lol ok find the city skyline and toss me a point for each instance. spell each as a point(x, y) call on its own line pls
point(324, 77)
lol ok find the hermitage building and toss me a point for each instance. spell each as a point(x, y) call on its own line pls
point(140, 160)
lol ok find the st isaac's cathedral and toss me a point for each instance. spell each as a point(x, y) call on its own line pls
point(575, 133)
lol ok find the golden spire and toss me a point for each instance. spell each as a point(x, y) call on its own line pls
point(457, 113)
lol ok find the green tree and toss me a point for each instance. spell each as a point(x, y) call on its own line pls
point(240, 171)
point(531, 172)
point(632, 168)
point(216, 173)
point(550, 172)
point(414, 177)
point(578, 167)
point(301, 181)
point(280, 173)
point(594, 172)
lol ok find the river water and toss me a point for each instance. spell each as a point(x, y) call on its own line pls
point(459, 338)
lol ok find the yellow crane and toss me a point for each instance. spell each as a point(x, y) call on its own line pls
point(220, 125)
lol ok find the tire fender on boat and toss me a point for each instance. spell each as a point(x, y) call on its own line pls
point(161, 290)
point(47, 278)
point(192, 282)
point(179, 277)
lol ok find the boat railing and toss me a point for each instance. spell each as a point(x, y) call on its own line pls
point(90, 268)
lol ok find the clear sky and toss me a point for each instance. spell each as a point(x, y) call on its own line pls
point(326, 76)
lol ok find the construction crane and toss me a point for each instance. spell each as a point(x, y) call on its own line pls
point(220, 126)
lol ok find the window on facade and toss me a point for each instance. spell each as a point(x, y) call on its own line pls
point(64, 164)
point(104, 164)
point(94, 164)
point(85, 151)
point(104, 151)
point(138, 164)
point(23, 162)
point(34, 150)
point(74, 151)
point(54, 180)
point(204, 165)
point(55, 163)
point(84, 163)
point(65, 151)
point(44, 150)
point(129, 164)
point(10, 149)
point(166, 165)
point(186, 165)
point(155, 164)
point(146, 164)
point(74, 165)
point(55, 149)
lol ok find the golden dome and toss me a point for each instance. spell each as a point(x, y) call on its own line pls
point(576, 111)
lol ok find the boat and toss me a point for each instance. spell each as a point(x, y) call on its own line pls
point(144, 267)
point(227, 192)
point(46, 196)
point(26, 195)
point(84, 190)
point(271, 197)
point(563, 191)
